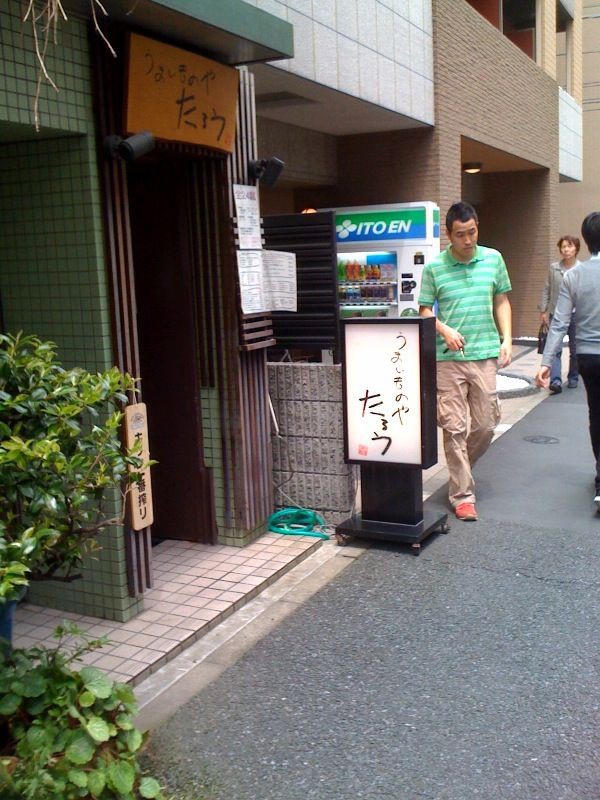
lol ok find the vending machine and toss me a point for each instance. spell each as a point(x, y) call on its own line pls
point(381, 252)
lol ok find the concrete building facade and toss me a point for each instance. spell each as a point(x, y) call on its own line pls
point(377, 101)
point(496, 101)
point(133, 264)
point(576, 200)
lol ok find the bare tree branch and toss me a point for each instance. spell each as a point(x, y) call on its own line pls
point(43, 17)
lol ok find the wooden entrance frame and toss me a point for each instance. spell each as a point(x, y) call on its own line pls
point(239, 367)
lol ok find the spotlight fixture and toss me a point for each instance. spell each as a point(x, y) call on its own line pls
point(267, 170)
point(131, 148)
point(472, 167)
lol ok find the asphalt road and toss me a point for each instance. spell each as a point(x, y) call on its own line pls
point(468, 672)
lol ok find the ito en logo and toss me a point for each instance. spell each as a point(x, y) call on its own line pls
point(345, 229)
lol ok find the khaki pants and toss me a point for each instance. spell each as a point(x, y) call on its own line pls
point(468, 411)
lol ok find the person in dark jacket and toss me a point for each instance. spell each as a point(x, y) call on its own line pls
point(580, 293)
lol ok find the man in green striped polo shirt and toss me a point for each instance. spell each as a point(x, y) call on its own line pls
point(469, 283)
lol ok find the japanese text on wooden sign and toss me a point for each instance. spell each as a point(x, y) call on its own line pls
point(383, 392)
point(180, 96)
point(139, 496)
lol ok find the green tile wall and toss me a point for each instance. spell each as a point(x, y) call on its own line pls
point(51, 257)
point(52, 270)
point(69, 109)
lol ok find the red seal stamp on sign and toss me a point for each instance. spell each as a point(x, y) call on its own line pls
point(363, 450)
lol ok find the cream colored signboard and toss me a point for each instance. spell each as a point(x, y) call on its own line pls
point(139, 497)
point(383, 392)
point(180, 96)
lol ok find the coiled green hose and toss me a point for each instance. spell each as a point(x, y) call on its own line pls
point(298, 522)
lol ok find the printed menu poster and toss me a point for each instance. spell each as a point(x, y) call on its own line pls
point(252, 284)
point(267, 281)
point(280, 280)
point(248, 217)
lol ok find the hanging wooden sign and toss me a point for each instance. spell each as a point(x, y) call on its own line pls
point(179, 96)
point(140, 511)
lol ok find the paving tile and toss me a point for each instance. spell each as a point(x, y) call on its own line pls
point(179, 634)
point(139, 640)
point(194, 587)
point(164, 645)
point(228, 582)
point(253, 580)
point(242, 569)
point(230, 595)
point(189, 623)
point(210, 593)
point(194, 602)
point(108, 662)
point(127, 650)
point(204, 581)
point(149, 615)
point(145, 656)
point(206, 614)
point(218, 605)
point(159, 630)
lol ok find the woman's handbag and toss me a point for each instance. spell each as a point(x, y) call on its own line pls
point(542, 336)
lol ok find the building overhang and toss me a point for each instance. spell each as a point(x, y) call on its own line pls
point(568, 6)
point(492, 159)
point(293, 100)
point(230, 31)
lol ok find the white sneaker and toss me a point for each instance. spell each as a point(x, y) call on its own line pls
point(597, 502)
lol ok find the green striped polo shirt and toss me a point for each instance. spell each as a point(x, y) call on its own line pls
point(465, 300)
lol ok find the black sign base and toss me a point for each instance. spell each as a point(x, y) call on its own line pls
point(392, 507)
point(413, 535)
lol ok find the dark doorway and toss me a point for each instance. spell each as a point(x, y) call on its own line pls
point(168, 331)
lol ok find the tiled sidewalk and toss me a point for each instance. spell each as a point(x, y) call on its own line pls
point(195, 588)
point(198, 586)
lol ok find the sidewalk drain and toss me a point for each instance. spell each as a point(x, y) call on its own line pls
point(539, 439)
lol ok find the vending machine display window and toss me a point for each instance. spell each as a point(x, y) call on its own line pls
point(367, 283)
point(381, 252)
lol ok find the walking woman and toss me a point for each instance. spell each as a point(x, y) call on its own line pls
point(569, 249)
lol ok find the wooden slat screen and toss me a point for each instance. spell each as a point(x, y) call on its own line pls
point(108, 96)
point(312, 238)
point(227, 355)
point(249, 412)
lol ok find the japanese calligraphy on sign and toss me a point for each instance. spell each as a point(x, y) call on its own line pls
point(180, 96)
point(383, 392)
point(139, 498)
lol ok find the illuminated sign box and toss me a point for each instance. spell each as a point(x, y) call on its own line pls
point(390, 391)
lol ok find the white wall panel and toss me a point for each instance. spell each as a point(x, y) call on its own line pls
point(326, 61)
point(347, 53)
point(385, 31)
point(347, 44)
point(347, 18)
point(324, 12)
point(368, 74)
point(570, 137)
point(386, 82)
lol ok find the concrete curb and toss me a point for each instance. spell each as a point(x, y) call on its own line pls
point(531, 387)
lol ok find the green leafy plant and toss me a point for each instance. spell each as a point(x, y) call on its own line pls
point(67, 733)
point(61, 458)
